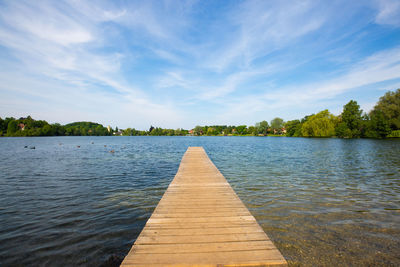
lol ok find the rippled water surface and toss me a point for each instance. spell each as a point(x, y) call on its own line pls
point(324, 202)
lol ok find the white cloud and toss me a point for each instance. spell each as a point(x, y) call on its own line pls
point(58, 54)
point(379, 67)
point(229, 85)
point(388, 12)
point(53, 26)
point(261, 27)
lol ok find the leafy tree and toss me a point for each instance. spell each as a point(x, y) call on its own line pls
point(68, 131)
point(178, 132)
point(395, 134)
point(342, 130)
point(198, 130)
point(170, 132)
point(379, 125)
point(2, 126)
point(293, 127)
point(76, 131)
point(127, 132)
point(99, 130)
point(351, 119)
point(277, 125)
point(321, 124)
point(252, 130)
point(46, 130)
point(211, 131)
point(242, 129)
point(262, 127)
point(57, 129)
point(389, 107)
point(12, 128)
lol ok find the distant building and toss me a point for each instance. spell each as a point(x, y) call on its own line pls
point(21, 126)
point(281, 131)
point(118, 133)
point(191, 131)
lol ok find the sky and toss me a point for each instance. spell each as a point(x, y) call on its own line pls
point(178, 64)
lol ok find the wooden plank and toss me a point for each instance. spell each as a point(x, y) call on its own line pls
point(200, 221)
point(204, 247)
point(196, 258)
point(178, 239)
point(196, 213)
point(210, 231)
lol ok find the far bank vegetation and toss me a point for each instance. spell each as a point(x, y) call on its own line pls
point(383, 121)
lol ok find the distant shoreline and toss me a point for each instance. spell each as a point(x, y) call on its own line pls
point(200, 136)
point(381, 122)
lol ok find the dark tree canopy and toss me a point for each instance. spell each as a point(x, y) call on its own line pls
point(389, 106)
point(293, 128)
point(351, 120)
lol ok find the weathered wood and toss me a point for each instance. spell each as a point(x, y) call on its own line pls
point(200, 221)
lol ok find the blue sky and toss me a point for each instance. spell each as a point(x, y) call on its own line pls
point(185, 63)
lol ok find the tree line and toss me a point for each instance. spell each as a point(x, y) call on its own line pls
point(381, 122)
point(30, 127)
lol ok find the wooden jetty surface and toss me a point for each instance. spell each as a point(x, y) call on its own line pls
point(200, 221)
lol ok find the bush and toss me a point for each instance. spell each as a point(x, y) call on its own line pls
point(395, 134)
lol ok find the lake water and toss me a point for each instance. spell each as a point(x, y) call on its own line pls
point(324, 202)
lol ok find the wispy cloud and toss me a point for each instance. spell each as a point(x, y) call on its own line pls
point(259, 28)
point(382, 66)
point(388, 12)
point(64, 50)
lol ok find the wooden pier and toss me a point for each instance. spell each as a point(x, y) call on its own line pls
point(200, 221)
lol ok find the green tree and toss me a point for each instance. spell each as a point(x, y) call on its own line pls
point(352, 119)
point(198, 130)
point(3, 127)
point(262, 127)
point(242, 129)
point(277, 125)
point(321, 124)
point(99, 130)
point(293, 127)
point(170, 132)
point(252, 130)
point(12, 128)
point(211, 131)
point(127, 132)
point(389, 106)
point(76, 131)
point(46, 130)
point(57, 129)
point(179, 132)
point(379, 125)
point(342, 130)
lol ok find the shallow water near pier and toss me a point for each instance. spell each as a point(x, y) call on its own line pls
point(324, 202)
